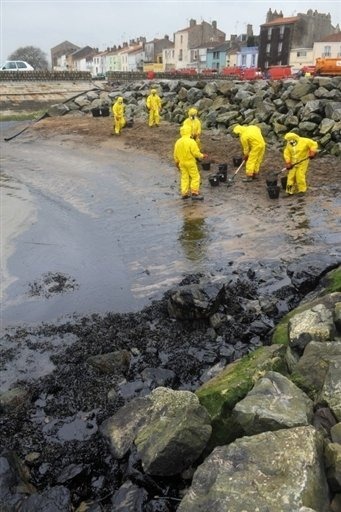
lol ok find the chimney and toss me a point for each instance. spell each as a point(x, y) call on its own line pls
point(214, 25)
point(166, 37)
point(192, 23)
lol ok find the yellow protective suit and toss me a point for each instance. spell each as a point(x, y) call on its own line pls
point(253, 146)
point(186, 152)
point(194, 123)
point(118, 115)
point(297, 149)
point(154, 104)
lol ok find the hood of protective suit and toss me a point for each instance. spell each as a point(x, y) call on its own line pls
point(120, 99)
point(153, 91)
point(291, 136)
point(185, 130)
point(192, 112)
point(238, 129)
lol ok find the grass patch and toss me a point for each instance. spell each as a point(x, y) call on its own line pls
point(22, 116)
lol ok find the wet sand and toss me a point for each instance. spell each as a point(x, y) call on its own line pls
point(94, 227)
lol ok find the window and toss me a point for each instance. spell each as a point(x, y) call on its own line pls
point(269, 32)
point(253, 60)
point(267, 48)
point(181, 39)
point(281, 30)
point(180, 55)
point(301, 53)
point(216, 55)
point(327, 51)
point(280, 47)
point(243, 60)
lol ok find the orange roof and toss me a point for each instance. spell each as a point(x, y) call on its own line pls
point(281, 21)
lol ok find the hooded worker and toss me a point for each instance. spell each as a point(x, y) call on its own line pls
point(154, 104)
point(186, 152)
point(297, 153)
point(195, 124)
point(118, 115)
point(253, 146)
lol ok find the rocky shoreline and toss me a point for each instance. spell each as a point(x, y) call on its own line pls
point(225, 394)
point(311, 106)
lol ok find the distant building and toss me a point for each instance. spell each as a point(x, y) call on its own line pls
point(195, 36)
point(216, 56)
point(279, 35)
point(328, 47)
point(60, 53)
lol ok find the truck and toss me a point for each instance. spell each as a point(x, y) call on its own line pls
point(328, 67)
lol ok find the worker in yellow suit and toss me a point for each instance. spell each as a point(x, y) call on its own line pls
point(118, 115)
point(195, 124)
point(253, 146)
point(154, 104)
point(186, 152)
point(298, 149)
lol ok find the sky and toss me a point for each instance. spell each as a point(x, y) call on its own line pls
point(104, 23)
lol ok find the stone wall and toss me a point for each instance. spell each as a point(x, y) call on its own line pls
point(309, 106)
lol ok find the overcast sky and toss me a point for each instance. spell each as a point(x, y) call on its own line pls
point(102, 23)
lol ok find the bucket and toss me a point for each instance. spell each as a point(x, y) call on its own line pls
point(222, 175)
point(130, 123)
point(104, 111)
point(237, 161)
point(273, 192)
point(222, 167)
point(214, 180)
point(271, 181)
point(206, 166)
point(284, 180)
point(95, 112)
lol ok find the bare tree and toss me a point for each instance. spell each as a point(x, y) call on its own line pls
point(34, 56)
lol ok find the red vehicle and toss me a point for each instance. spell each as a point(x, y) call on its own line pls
point(252, 74)
point(278, 72)
point(233, 72)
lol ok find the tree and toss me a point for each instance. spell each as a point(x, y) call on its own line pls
point(34, 56)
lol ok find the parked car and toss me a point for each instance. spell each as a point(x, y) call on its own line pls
point(16, 65)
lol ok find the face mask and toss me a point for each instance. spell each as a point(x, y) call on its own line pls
point(293, 142)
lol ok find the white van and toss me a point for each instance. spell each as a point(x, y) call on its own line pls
point(16, 65)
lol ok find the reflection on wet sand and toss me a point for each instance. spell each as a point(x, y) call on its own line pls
point(193, 234)
point(17, 212)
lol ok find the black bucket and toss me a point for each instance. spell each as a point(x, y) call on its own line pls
point(284, 180)
point(222, 167)
point(96, 112)
point(274, 192)
point(214, 180)
point(222, 175)
point(271, 181)
point(100, 112)
point(237, 161)
point(206, 166)
point(104, 111)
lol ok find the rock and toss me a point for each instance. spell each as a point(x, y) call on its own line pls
point(274, 403)
point(111, 362)
point(175, 434)
point(331, 391)
point(332, 456)
point(53, 499)
point(279, 471)
point(312, 324)
point(335, 433)
point(195, 301)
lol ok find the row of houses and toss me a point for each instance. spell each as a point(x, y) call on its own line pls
point(296, 41)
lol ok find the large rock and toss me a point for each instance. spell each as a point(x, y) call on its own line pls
point(313, 324)
point(221, 393)
point(274, 403)
point(311, 370)
point(176, 433)
point(274, 471)
point(331, 391)
point(195, 301)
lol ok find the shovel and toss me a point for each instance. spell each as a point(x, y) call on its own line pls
point(230, 180)
point(293, 165)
